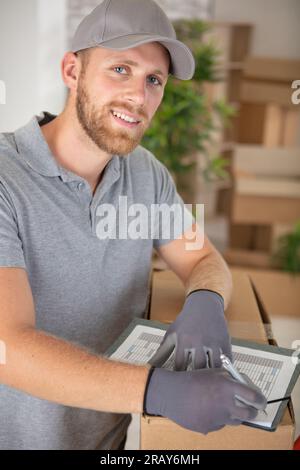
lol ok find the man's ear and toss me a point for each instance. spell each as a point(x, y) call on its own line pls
point(70, 70)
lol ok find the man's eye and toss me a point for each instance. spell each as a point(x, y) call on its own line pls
point(154, 80)
point(118, 68)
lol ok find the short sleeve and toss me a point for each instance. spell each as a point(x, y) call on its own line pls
point(172, 217)
point(11, 251)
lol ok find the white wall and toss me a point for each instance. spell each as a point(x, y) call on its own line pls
point(277, 24)
point(17, 59)
point(31, 46)
point(52, 35)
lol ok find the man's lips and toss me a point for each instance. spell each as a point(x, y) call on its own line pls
point(124, 123)
point(126, 113)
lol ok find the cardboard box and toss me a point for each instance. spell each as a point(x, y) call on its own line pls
point(265, 202)
point(255, 245)
point(278, 292)
point(267, 113)
point(268, 124)
point(277, 187)
point(233, 40)
point(290, 128)
point(271, 69)
point(162, 434)
point(254, 91)
point(168, 297)
point(259, 123)
point(248, 258)
point(250, 209)
point(263, 238)
point(241, 236)
point(266, 185)
point(245, 321)
point(256, 160)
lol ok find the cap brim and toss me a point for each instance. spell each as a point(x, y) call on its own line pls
point(183, 62)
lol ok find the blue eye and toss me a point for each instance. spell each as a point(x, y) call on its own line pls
point(152, 78)
point(157, 83)
point(119, 67)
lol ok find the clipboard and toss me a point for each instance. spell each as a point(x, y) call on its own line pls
point(139, 341)
point(280, 352)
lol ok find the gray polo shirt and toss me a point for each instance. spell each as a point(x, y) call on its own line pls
point(85, 289)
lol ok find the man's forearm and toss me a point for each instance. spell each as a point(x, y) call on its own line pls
point(56, 370)
point(211, 273)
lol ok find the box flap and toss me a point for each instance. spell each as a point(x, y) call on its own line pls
point(242, 314)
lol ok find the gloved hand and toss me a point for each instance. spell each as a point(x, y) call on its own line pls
point(200, 330)
point(201, 400)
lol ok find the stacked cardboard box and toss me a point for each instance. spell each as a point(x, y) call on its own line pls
point(232, 40)
point(265, 202)
point(245, 320)
point(267, 114)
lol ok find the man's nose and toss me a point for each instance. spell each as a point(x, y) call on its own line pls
point(136, 92)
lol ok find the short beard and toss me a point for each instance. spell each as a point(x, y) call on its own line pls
point(96, 126)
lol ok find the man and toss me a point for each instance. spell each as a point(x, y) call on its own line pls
point(66, 292)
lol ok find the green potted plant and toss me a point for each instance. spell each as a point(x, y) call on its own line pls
point(287, 254)
point(183, 129)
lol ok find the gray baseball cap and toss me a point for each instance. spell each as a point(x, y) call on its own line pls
point(124, 24)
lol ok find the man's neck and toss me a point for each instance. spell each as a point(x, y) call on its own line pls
point(73, 150)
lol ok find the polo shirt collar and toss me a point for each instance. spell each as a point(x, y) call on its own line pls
point(33, 147)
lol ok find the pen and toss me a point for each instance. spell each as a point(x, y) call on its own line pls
point(227, 364)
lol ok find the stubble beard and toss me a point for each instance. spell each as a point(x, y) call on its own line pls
point(95, 123)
